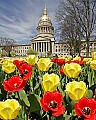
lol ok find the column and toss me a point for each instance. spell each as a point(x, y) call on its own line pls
point(36, 46)
point(33, 45)
point(46, 46)
point(41, 46)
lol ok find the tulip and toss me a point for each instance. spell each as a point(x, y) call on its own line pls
point(14, 84)
point(25, 71)
point(93, 54)
point(60, 62)
point(9, 109)
point(69, 57)
point(86, 107)
point(44, 64)
point(76, 90)
point(32, 59)
point(53, 101)
point(81, 63)
point(61, 71)
point(50, 82)
point(8, 67)
point(87, 60)
point(77, 58)
point(72, 70)
point(18, 63)
point(93, 64)
point(54, 60)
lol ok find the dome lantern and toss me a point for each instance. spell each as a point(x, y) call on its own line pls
point(45, 11)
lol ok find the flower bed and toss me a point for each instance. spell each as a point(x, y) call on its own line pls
point(35, 88)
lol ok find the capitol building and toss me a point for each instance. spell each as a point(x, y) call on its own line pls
point(44, 42)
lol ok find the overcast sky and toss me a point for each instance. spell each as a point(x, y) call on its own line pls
point(19, 18)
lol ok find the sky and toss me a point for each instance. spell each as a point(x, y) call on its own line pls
point(19, 18)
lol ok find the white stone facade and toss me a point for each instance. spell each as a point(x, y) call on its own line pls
point(21, 50)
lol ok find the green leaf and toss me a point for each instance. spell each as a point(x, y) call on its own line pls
point(60, 118)
point(37, 86)
point(23, 96)
point(89, 94)
point(34, 102)
point(66, 116)
point(61, 91)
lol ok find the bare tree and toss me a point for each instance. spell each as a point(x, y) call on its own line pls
point(7, 44)
point(83, 14)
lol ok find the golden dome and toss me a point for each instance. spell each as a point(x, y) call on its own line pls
point(45, 25)
point(45, 18)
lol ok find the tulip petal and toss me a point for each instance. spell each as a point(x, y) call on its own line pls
point(15, 113)
point(71, 95)
point(12, 103)
point(58, 98)
point(79, 93)
point(59, 112)
point(46, 85)
point(53, 88)
point(48, 97)
point(6, 113)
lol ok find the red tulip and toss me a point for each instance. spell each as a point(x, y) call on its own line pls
point(81, 63)
point(53, 101)
point(86, 107)
point(54, 60)
point(62, 71)
point(60, 62)
point(14, 84)
point(76, 61)
point(25, 71)
point(93, 117)
point(18, 63)
point(82, 58)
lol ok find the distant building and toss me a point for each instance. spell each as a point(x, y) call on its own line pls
point(44, 42)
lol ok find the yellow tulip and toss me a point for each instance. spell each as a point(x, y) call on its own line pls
point(93, 54)
point(50, 82)
point(11, 59)
point(69, 57)
point(8, 67)
point(9, 109)
point(77, 58)
point(32, 59)
point(87, 60)
point(44, 64)
point(72, 70)
point(93, 64)
point(76, 90)
point(20, 59)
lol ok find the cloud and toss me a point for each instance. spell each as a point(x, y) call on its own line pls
point(19, 19)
